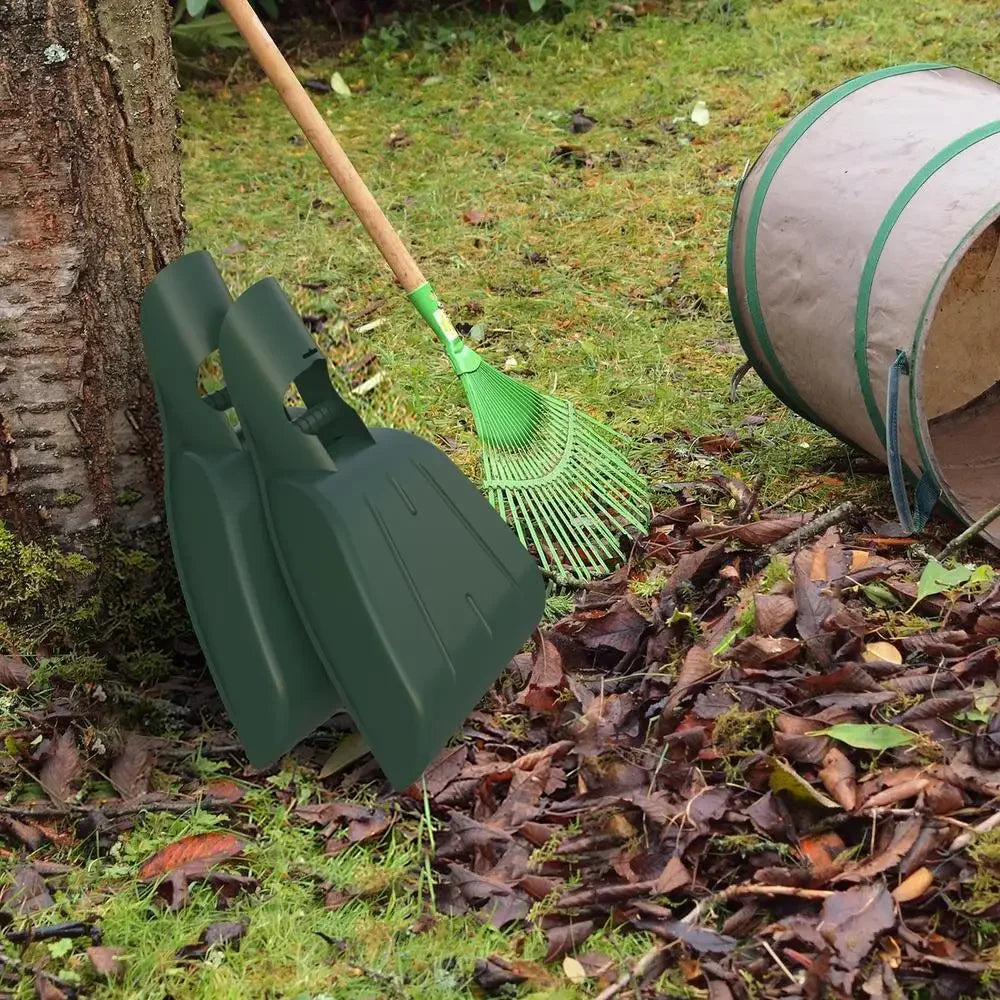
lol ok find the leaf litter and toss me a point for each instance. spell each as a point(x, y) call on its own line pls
point(758, 764)
point(781, 765)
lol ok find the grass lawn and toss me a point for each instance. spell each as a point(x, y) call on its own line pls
point(598, 273)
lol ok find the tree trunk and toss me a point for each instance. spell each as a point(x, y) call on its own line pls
point(90, 210)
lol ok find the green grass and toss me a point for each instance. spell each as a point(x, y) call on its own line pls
point(294, 947)
point(604, 282)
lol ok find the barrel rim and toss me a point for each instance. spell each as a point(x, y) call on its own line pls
point(918, 418)
point(797, 128)
point(894, 213)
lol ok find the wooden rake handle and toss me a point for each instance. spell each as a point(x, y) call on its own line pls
point(316, 130)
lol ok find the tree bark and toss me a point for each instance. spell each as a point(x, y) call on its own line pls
point(90, 210)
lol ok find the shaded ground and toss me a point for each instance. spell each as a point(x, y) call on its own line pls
point(592, 256)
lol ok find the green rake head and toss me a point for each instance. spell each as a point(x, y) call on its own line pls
point(556, 474)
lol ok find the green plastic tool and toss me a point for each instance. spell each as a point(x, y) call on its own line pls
point(555, 472)
point(270, 678)
point(413, 590)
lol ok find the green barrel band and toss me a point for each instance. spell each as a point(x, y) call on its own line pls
point(896, 209)
point(797, 129)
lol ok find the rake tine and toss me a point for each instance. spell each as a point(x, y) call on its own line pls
point(554, 472)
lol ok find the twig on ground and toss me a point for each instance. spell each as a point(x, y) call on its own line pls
point(23, 969)
point(738, 891)
point(803, 487)
point(781, 965)
point(54, 931)
point(964, 839)
point(966, 536)
point(815, 527)
point(116, 811)
point(635, 974)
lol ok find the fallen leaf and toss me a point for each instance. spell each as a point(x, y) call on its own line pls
point(864, 736)
point(839, 778)
point(904, 836)
point(107, 962)
point(14, 672)
point(61, 768)
point(580, 122)
point(350, 749)
point(700, 114)
point(618, 629)
point(490, 974)
point(46, 989)
point(914, 886)
point(760, 651)
point(673, 876)
point(31, 836)
point(884, 651)
point(852, 921)
point(785, 779)
point(574, 971)
point(339, 86)
point(547, 678)
point(772, 612)
point(475, 217)
point(26, 892)
point(218, 935)
point(130, 770)
point(698, 939)
point(223, 790)
point(563, 938)
point(196, 849)
point(936, 579)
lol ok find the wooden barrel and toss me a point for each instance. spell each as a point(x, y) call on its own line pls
point(863, 258)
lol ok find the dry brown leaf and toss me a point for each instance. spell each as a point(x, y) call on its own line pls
point(46, 989)
point(759, 651)
point(913, 887)
point(772, 612)
point(130, 770)
point(673, 876)
point(198, 849)
point(14, 672)
point(26, 892)
point(547, 678)
point(223, 790)
point(839, 778)
point(107, 962)
point(903, 838)
point(61, 768)
point(860, 558)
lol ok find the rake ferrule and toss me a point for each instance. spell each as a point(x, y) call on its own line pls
point(463, 358)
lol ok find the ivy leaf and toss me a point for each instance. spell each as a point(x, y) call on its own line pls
point(863, 736)
point(936, 579)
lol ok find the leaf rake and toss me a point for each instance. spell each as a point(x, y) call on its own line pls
point(555, 473)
